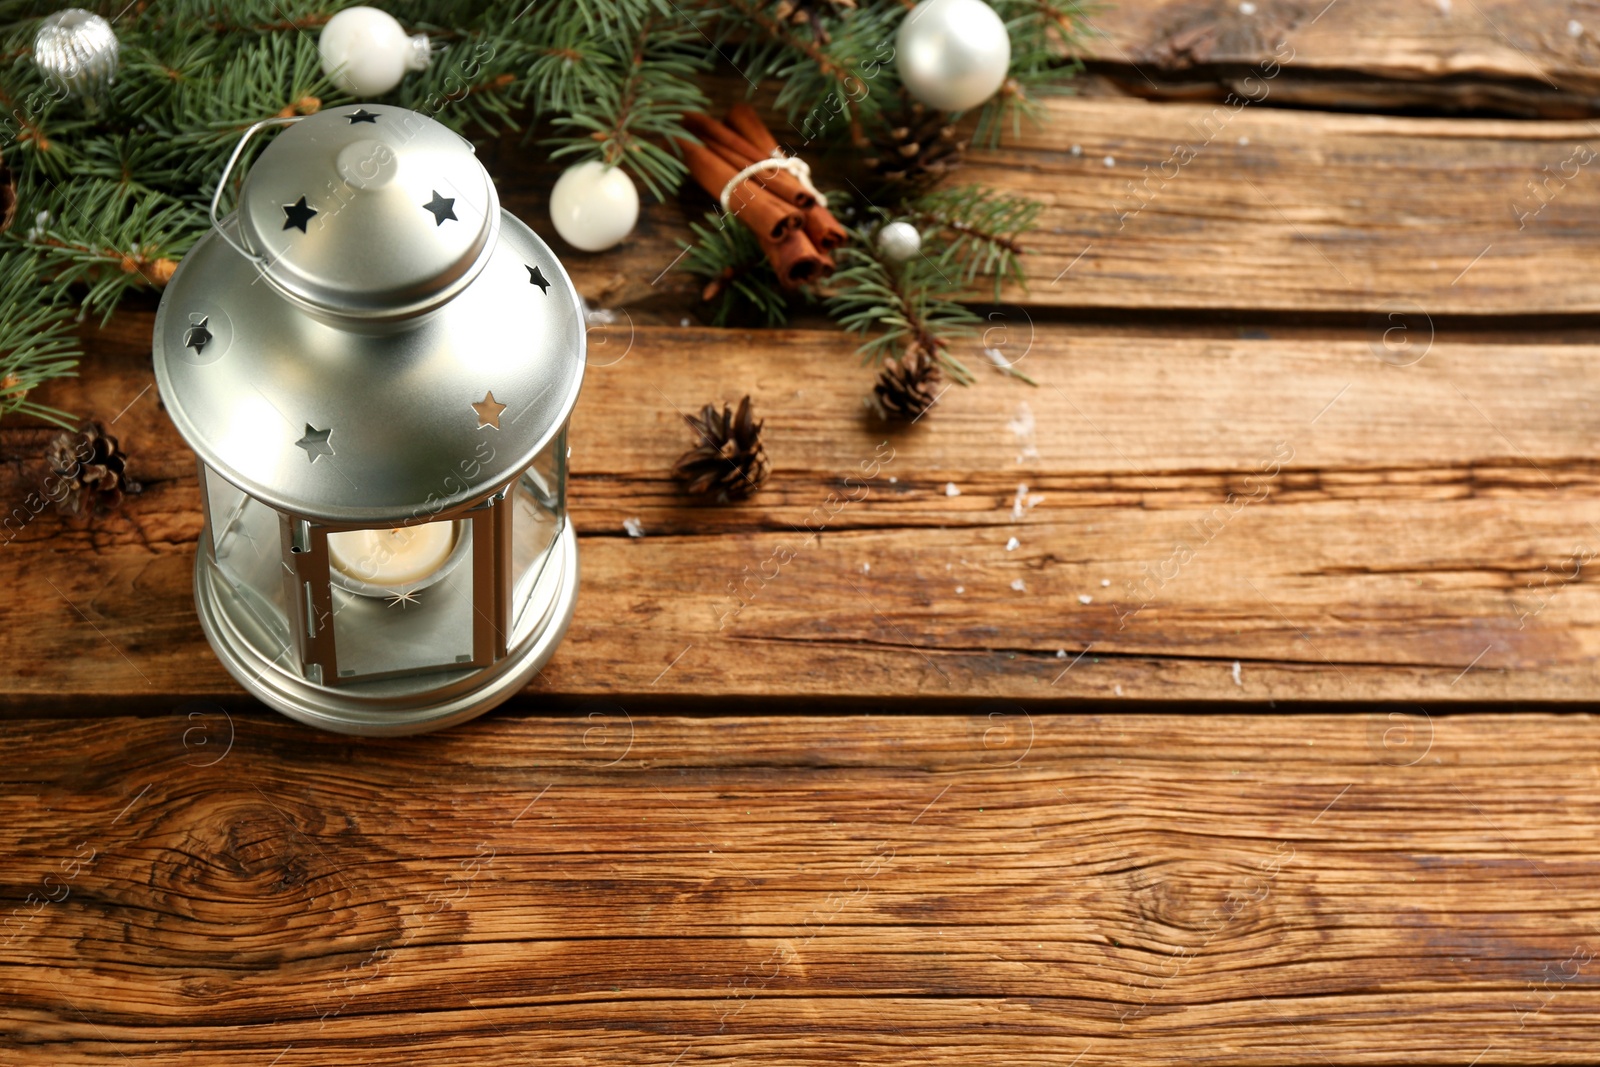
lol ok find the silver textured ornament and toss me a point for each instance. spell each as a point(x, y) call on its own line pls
point(952, 54)
point(77, 51)
point(899, 241)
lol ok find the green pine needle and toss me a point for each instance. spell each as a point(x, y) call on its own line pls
point(727, 255)
point(974, 231)
point(1046, 37)
point(36, 340)
point(113, 191)
point(905, 303)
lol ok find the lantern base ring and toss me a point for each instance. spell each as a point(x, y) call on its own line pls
point(393, 706)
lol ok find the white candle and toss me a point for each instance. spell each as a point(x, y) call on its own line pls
point(392, 558)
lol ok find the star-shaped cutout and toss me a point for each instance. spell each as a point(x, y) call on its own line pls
point(443, 207)
point(361, 114)
point(488, 411)
point(198, 336)
point(297, 215)
point(404, 597)
point(315, 442)
point(535, 278)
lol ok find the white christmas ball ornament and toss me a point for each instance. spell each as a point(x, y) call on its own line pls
point(952, 54)
point(366, 52)
point(899, 241)
point(594, 206)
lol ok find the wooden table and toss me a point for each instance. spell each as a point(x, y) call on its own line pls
point(927, 797)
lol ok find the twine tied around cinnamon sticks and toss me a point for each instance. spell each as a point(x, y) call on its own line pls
point(739, 162)
point(778, 161)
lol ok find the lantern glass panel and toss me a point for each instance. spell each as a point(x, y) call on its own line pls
point(247, 545)
point(538, 512)
point(424, 622)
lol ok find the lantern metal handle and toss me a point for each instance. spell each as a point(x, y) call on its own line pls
point(222, 183)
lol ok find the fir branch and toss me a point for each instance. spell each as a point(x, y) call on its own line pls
point(116, 190)
point(567, 64)
point(100, 235)
point(970, 231)
point(154, 270)
point(842, 71)
point(36, 341)
point(478, 80)
point(636, 102)
point(727, 255)
point(911, 303)
point(1045, 40)
point(236, 17)
point(753, 12)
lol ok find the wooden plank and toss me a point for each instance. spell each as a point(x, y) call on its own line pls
point(1522, 56)
point(1236, 207)
point(1012, 888)
point(1289, 211)
point(1428, 535)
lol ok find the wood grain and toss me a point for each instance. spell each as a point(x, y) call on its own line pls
point(1428, 534)
point(1281, 210)
point(1370, 328)
point(1532, 57)
point(613, 887)
point(1234, 207)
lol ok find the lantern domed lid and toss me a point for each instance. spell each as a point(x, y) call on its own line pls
point(369, 213)
point(392, 416)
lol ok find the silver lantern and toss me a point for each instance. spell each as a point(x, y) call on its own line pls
point(375, 365)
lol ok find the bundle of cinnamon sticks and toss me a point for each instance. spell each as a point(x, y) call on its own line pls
point(794, 230)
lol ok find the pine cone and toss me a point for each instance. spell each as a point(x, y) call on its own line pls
point(90, 471)
point(908, 386)
point(915, 148)
point(728, 462)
